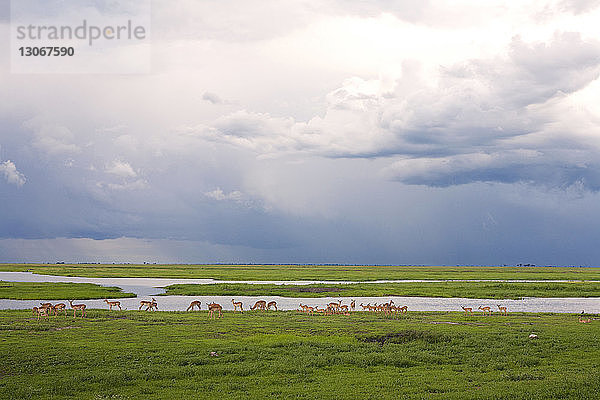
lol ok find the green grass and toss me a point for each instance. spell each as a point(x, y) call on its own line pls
point(307, 272)
point(476, 290)
point(289, 355)
point(57, 290)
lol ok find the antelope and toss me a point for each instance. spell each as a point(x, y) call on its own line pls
point(144, 303)
point(352, 304)
point(113, 303)
point(212, 307)
point(47, 306)
point(344, 308)
point(148, 304)
point(76, 307)
point(41, 312)
point(193, 304)
point(467, 310)
point(403, 309)
point(503, 310)
point(60, 306)
point(335, 305)
point(364, 307)
point(486, 309)
point(261, 305)
point(272, 304)
point(237, 304)
point(153, 305)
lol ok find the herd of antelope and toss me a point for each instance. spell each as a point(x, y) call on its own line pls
point(486, 310)
point(387, 309)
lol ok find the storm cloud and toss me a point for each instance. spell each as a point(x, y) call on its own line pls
point(356, 132)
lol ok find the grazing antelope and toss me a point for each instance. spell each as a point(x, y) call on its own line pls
point(485, 310)
point(467, 310)
point(344, 309)
point(58, 307)
point(113, 303)
point(503, 310)
point(237, 304)
point(41, 312)
point(76, 307)
point(47, 306)
point(403, 309)
point(261, 305)
point(193, 304)
point(272, 304)
point(365, 307)
point(212, 307)
point(352, 304)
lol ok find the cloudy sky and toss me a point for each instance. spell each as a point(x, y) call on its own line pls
point(429, 132)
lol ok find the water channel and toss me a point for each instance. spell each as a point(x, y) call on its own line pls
point(147, 287)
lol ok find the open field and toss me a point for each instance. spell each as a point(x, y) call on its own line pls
point(476, 290)
point(144, 355)
point(307, 272)
point(55, 291)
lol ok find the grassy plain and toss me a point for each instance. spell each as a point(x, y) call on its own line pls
point(307, 272)
point(476, 290)
point(58, 290)
point(289, 355)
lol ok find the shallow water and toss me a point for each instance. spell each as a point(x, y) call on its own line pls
point(180, 303)
point(153, 286)
point(146, 287)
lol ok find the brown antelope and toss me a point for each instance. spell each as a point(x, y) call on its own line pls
point(237, 304)
point(47, 306)
point(261, 305)
point(212, 307)
point(467, 310)
point(272, 304)
point(365, 307)
point(503, 310)
point(58, 307)
point(403, 309)
point(76, 307)
point(344, 309)
point(148, 304)
point(193, 304)
point(485, 310)
point(153, 305)
point(41, 312)
point(335, 305)
point(113, 303)
point(352, 305)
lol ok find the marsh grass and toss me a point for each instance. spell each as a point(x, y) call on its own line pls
point(476, 290)
point(307, 272)
point(58, 290)
point(290, 355)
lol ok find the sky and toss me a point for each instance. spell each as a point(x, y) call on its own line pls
point(354, 132)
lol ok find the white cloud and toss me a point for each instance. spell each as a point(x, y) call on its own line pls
point(11, 174)
point(121, 168)
point(219, 195)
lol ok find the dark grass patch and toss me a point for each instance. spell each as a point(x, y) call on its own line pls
point(309, 289)
point(405, 336)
